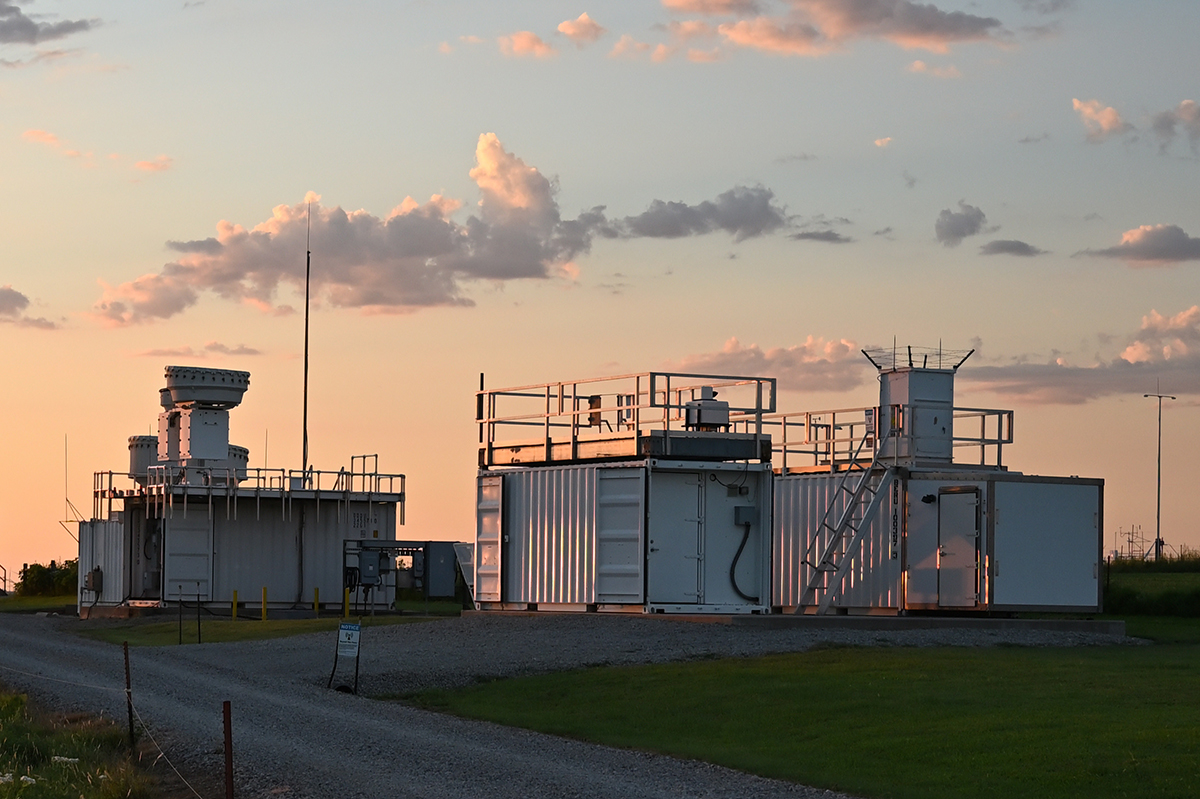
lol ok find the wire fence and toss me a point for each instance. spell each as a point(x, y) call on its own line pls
point(120, 690)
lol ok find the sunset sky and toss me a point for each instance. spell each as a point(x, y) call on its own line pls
point(546, 192)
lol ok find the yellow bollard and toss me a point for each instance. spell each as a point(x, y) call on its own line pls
point(264, 609)
point(346, 604)
point(234, 606)
point(317, 601)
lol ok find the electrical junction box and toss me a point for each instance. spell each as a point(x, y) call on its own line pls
point(368, 567)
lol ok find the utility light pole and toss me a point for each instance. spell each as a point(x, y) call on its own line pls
point(1158, 541)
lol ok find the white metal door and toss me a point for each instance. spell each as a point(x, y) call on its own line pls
point(675, 535)
point(620, 515)
point(958, 547)
point(489, 492)
point(189, 545)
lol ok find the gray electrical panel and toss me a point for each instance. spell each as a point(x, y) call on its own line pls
point(441, 568)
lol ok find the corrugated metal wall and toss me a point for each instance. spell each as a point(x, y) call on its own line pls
point(550, 524)
point(102, 543)
point(801, 501)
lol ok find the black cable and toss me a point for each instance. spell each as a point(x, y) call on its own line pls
point(733, 567)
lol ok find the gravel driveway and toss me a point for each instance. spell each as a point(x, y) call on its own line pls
point(294, 738)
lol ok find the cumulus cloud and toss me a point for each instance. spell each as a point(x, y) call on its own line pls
point(884, 142)
point(525, 43)
point(12, 310)
point(814, 27)
point(1152, 245)
point(1165, 348)
point(1184, 118)
point(952, 227)
point(628, 47)
point(17, 28)
point(418, 255)
point(1101, 121)
point(743, 212)
point(582, 30)
point(41, 137)
point(815, 365)
point(1010, 247)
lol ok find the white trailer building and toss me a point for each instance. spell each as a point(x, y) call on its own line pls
point(190, 520)
point(646, 493)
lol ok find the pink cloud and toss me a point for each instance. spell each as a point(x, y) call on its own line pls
point(714, 7)
point(815, 365)
point(884, 142)
point(583, 30)
point(774, 36)
point(815, 27)
point(160, 164)
point(1153, 245)
point(41, 137)
point(525, 43)
point(628, 47)
point(1101, 121)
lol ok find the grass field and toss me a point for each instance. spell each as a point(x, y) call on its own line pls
point(44, 758)
point(33, 604)
point(164, 633)
point(1155, 582)
point(897, 722)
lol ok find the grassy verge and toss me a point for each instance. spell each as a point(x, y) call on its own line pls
point(895, 722)
point(76, 756)
point(33, 604)
point(165, 633)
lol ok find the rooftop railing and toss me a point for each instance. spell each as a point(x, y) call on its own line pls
point(576, 419)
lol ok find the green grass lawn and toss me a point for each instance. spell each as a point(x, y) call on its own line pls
point(1155, 582)
point(139, 632)
point(33, 604)
point(896, 722)
point(64, 757)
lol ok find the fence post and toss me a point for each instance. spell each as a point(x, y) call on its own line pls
point(228, 750)
point(317, 601)
point(264, 604)
point(234, 608)
point(128, 694)
point(346, 603)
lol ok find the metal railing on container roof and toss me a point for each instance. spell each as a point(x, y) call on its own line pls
point(830, 439)
point(614, 409)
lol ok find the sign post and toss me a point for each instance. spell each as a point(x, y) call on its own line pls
point(349, 633)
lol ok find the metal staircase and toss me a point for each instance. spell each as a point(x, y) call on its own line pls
point(843, 537)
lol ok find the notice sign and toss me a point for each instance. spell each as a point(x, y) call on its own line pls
point(348, 639)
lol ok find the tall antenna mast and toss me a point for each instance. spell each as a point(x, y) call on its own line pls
point(307, 275)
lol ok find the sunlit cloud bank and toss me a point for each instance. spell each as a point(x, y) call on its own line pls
point(816, 365)
point(1152, 245)
point(18, 28)
point(418, 255)
point(816, 27)
point(12, 311)
point(1165, 351)
point(209, 349)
